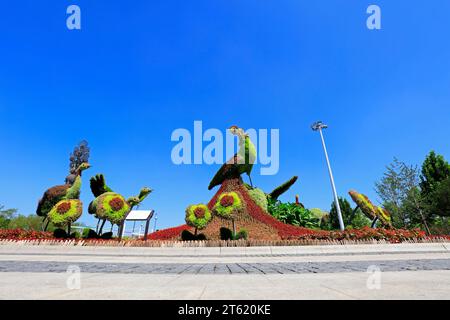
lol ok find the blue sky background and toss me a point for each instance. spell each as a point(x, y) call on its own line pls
point(138, 70)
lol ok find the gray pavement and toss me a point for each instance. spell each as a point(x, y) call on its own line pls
point(406, 271)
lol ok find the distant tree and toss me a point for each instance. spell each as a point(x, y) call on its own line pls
point(434, 170)
point(79, 155)
point(399, 189)
point(5, 216)
point(439, 199)
point(351, 219)
point(31, 222)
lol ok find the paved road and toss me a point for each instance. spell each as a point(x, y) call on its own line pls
point(413, 271)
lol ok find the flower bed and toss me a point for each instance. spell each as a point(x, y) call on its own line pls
point(168, 234)
point(20, 234)
point(366, 233)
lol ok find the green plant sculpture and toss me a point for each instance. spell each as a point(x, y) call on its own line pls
point(242, 162)
point(111, 206)
point(370, 210)
point(65, 212)
point(228, 205)
point(259, 197)
point(63, 192)
point(198, 216)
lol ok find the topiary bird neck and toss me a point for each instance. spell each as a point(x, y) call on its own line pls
point(74, 191)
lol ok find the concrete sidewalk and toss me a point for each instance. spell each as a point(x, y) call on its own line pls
point(403, 271)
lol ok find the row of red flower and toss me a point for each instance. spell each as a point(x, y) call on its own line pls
point(19, 234)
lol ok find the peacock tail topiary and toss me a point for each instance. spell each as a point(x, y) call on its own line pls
point(228, 204)
point(384, 216)
point(65, 212)
point(363, 202)
point(198, 216)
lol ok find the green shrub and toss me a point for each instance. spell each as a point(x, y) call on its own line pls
point(226, 234)
point(60, 234)
point(90, 234)
point(186, 235)
point(242, 234)
point(75, 235)
point(293, 214)
point(107, 236)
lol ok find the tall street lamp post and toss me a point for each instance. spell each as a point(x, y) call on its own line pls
point(318, 126)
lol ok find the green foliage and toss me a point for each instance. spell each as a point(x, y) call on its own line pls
point(30, 222)
point(227, 205)
point(75, 235)
point(6, 215)
point(434, 170)
point(439, 199)
point(65, 212)
point(351, 219)
point(60, 234)
point(277, 192)
point(198, 216)
point(226, 234)
point(106, 236)
point(294, 214)
point(259, 197)
point(399, 191)
point(242, 234)
point(112, 207)
point(186, 235)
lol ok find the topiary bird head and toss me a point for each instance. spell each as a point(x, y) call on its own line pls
point(83, 166)
point(133, 201)
point(235, 130)
point(144, 193)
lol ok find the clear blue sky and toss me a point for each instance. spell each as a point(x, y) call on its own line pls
point(138, 70)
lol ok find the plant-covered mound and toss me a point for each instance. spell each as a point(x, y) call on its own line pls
point(198, 216)
point(65, 212)
point(228, 204)
point(113, 207)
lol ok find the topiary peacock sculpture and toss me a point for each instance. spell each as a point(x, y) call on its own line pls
point(370, 210)
point(111, 206)
point(242, 161)
point(56, 194)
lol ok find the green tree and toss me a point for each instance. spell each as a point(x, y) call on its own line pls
point(31, 222)
point(434, 170)
point(5, 216)
point(439, 199)
point(399, 189)
point(351, 219)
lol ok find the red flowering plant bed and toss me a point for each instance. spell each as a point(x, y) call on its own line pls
point(168, 234)
point(20, 234)
point(366, 233)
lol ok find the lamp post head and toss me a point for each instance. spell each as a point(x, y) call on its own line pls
point(319, 125)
